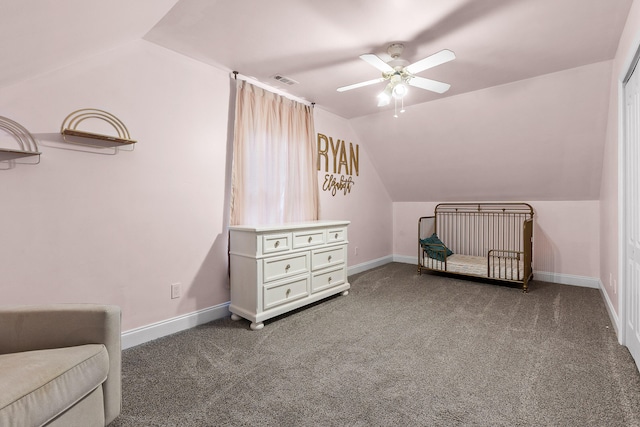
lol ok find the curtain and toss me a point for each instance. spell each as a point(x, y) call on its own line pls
point(274, 178)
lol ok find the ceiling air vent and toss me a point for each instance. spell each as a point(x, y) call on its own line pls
point(285, 80)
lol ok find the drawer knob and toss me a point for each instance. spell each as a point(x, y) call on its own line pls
point(277, 243)
point(329, 259)
point(329, 279)
point(336, 235)
point(288, 266)
point(309, 239)
point(288, 293)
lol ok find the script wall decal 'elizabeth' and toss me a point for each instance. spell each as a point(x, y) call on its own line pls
point(338, 163)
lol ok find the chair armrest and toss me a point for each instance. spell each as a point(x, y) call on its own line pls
point(39, 327)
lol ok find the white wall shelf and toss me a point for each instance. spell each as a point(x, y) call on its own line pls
point(70, 124)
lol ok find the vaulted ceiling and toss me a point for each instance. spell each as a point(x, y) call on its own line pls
point(37, 36)
point(317, 43)
point(529, 85)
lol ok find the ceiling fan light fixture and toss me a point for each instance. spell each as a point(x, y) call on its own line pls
point(383, 100)
point(384, 97)
point(400, 90)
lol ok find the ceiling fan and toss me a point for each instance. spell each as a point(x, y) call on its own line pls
point(400, 73)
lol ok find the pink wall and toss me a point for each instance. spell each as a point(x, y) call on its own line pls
point(627, 47)
point(120, 229)
point(537, 139)
point(368, 205)
point(565, 236)
point(405, 226)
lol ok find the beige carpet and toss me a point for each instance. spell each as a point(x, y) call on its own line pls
point(400, 349)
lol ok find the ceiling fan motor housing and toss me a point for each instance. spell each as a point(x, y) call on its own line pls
point(395, 50)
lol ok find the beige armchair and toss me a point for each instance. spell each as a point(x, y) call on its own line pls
point(60, 365)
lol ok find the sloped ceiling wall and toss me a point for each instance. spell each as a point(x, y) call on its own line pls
point(38, 36)
point(317, 43)
point(536, 139)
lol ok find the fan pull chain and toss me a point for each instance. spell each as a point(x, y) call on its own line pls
point(402, 110)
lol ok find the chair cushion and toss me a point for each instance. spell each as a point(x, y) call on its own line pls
point(36, 386)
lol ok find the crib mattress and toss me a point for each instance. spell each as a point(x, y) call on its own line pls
point(477, 266)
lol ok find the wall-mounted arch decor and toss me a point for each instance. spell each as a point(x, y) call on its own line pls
point(72, 121)
point(26, 141)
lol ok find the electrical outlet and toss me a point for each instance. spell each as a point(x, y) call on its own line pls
point(175, 291)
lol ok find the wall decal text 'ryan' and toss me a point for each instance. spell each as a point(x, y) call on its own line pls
point(336, 154)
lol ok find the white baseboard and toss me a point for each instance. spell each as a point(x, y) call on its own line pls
point(160, 329)
point(405, 259)
point(567, 279)
point(612, 313)
point(359, 268)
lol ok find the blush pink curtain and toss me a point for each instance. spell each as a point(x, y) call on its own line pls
point(274, 179)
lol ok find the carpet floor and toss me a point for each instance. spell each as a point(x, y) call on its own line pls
point(400, 349)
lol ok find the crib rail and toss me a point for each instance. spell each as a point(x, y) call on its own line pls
point(505, 265)
point(527, 232)
point(499, 232)
point(476, 228)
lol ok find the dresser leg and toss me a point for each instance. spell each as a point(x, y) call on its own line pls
point(345, 293)
point(257, 326)
point(235, 317)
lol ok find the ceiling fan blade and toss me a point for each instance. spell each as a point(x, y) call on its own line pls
point(377, 62)
point(361, 84)
point(431, 61)
point(428, 84)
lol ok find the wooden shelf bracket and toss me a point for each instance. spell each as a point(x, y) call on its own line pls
point(70, 128)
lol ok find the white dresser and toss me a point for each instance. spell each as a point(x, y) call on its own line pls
point(278, 268)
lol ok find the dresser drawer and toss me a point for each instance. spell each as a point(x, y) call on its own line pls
point(305, 239)
point(274, 267)
point(273, 243)
point(321, 258)
point(328, 278)
point(285, 266)
point(336, 235)
point(281, 293)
